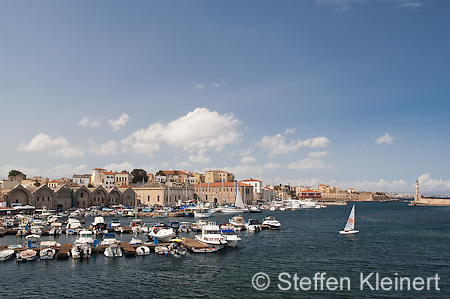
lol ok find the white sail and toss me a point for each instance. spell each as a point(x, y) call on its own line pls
point(350, 225)
point(238, 202)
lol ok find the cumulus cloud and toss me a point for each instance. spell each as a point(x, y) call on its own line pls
point(385, 139)
point(317, 154)
point(119, 167)
point(248, 159)
point(58, 147)
point(116, 124)
point(105, 149)
point(308, 164)
point(428, 184)
point(86, 122)
point(277, 145)
point(198, 130)
point(374, 186)
point(244, 171)
point(272, 166)
point(200, 157)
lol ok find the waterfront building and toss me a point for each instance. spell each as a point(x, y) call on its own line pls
point(65, 197)
point(96, 179)
point(107, 179)
point(122, 179)
point(160, 194)
point(82, 179)
point(257, 189)
point(223, 193)
point(214, 176)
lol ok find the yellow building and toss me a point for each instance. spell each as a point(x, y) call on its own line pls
point(214, 176)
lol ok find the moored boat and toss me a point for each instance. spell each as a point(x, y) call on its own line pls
point(26, 255)
point(271, 222)
point(6, 254)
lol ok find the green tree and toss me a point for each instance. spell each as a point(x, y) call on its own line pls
point(139, 175)
point(14, 173)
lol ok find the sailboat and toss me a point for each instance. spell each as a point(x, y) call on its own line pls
point(238, 204)
point(350, 225)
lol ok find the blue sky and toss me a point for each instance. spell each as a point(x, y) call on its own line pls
point(351, 93)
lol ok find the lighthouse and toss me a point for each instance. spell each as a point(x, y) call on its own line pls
point(417, 196)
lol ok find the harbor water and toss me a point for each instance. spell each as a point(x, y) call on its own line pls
point(394, 241)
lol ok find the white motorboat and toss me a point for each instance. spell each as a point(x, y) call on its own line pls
point(230, 236)
point(197, 226)
point(271, 222)
point(26, 255)
point(162, 233)
point(73, 225)
point(98, 220)
point(113, 250)
point(6, 254)
point(211, 236)
point(142, 250)
point(253, 225)
point(115, 224)
point(161, 250)
point(47, 253)
point(135, 241)
point(81, 250)
point(85, 237)
point(237, 222)
point(203, 213)
point(350, 225)
point(108, 239)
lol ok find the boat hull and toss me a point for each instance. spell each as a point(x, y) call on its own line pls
point(348, 232)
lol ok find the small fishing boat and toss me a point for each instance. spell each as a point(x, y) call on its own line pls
point(26, 255)
point(350, 225)
point(47, 253)
point(142, 250)
point(6, 254)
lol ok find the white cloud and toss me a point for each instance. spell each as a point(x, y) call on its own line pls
point(308, 164)
point(120, 122)
point(272, 166)
point(374, 186)
point(427, 184)
point(244, 171)
point(344, 5)
point(385, 139)
point(59, 147)
point(198, 130)
point(317, 154)
point(200, 86)
point(314, 182)
point(276, 145)
point(86, 122)
point(248, 159)
point(200, 157)
point(105, 149)
point(119, 167)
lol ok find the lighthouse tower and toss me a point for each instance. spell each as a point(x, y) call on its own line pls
point(417, 196)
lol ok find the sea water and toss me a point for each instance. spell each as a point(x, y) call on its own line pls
point(306, 258)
